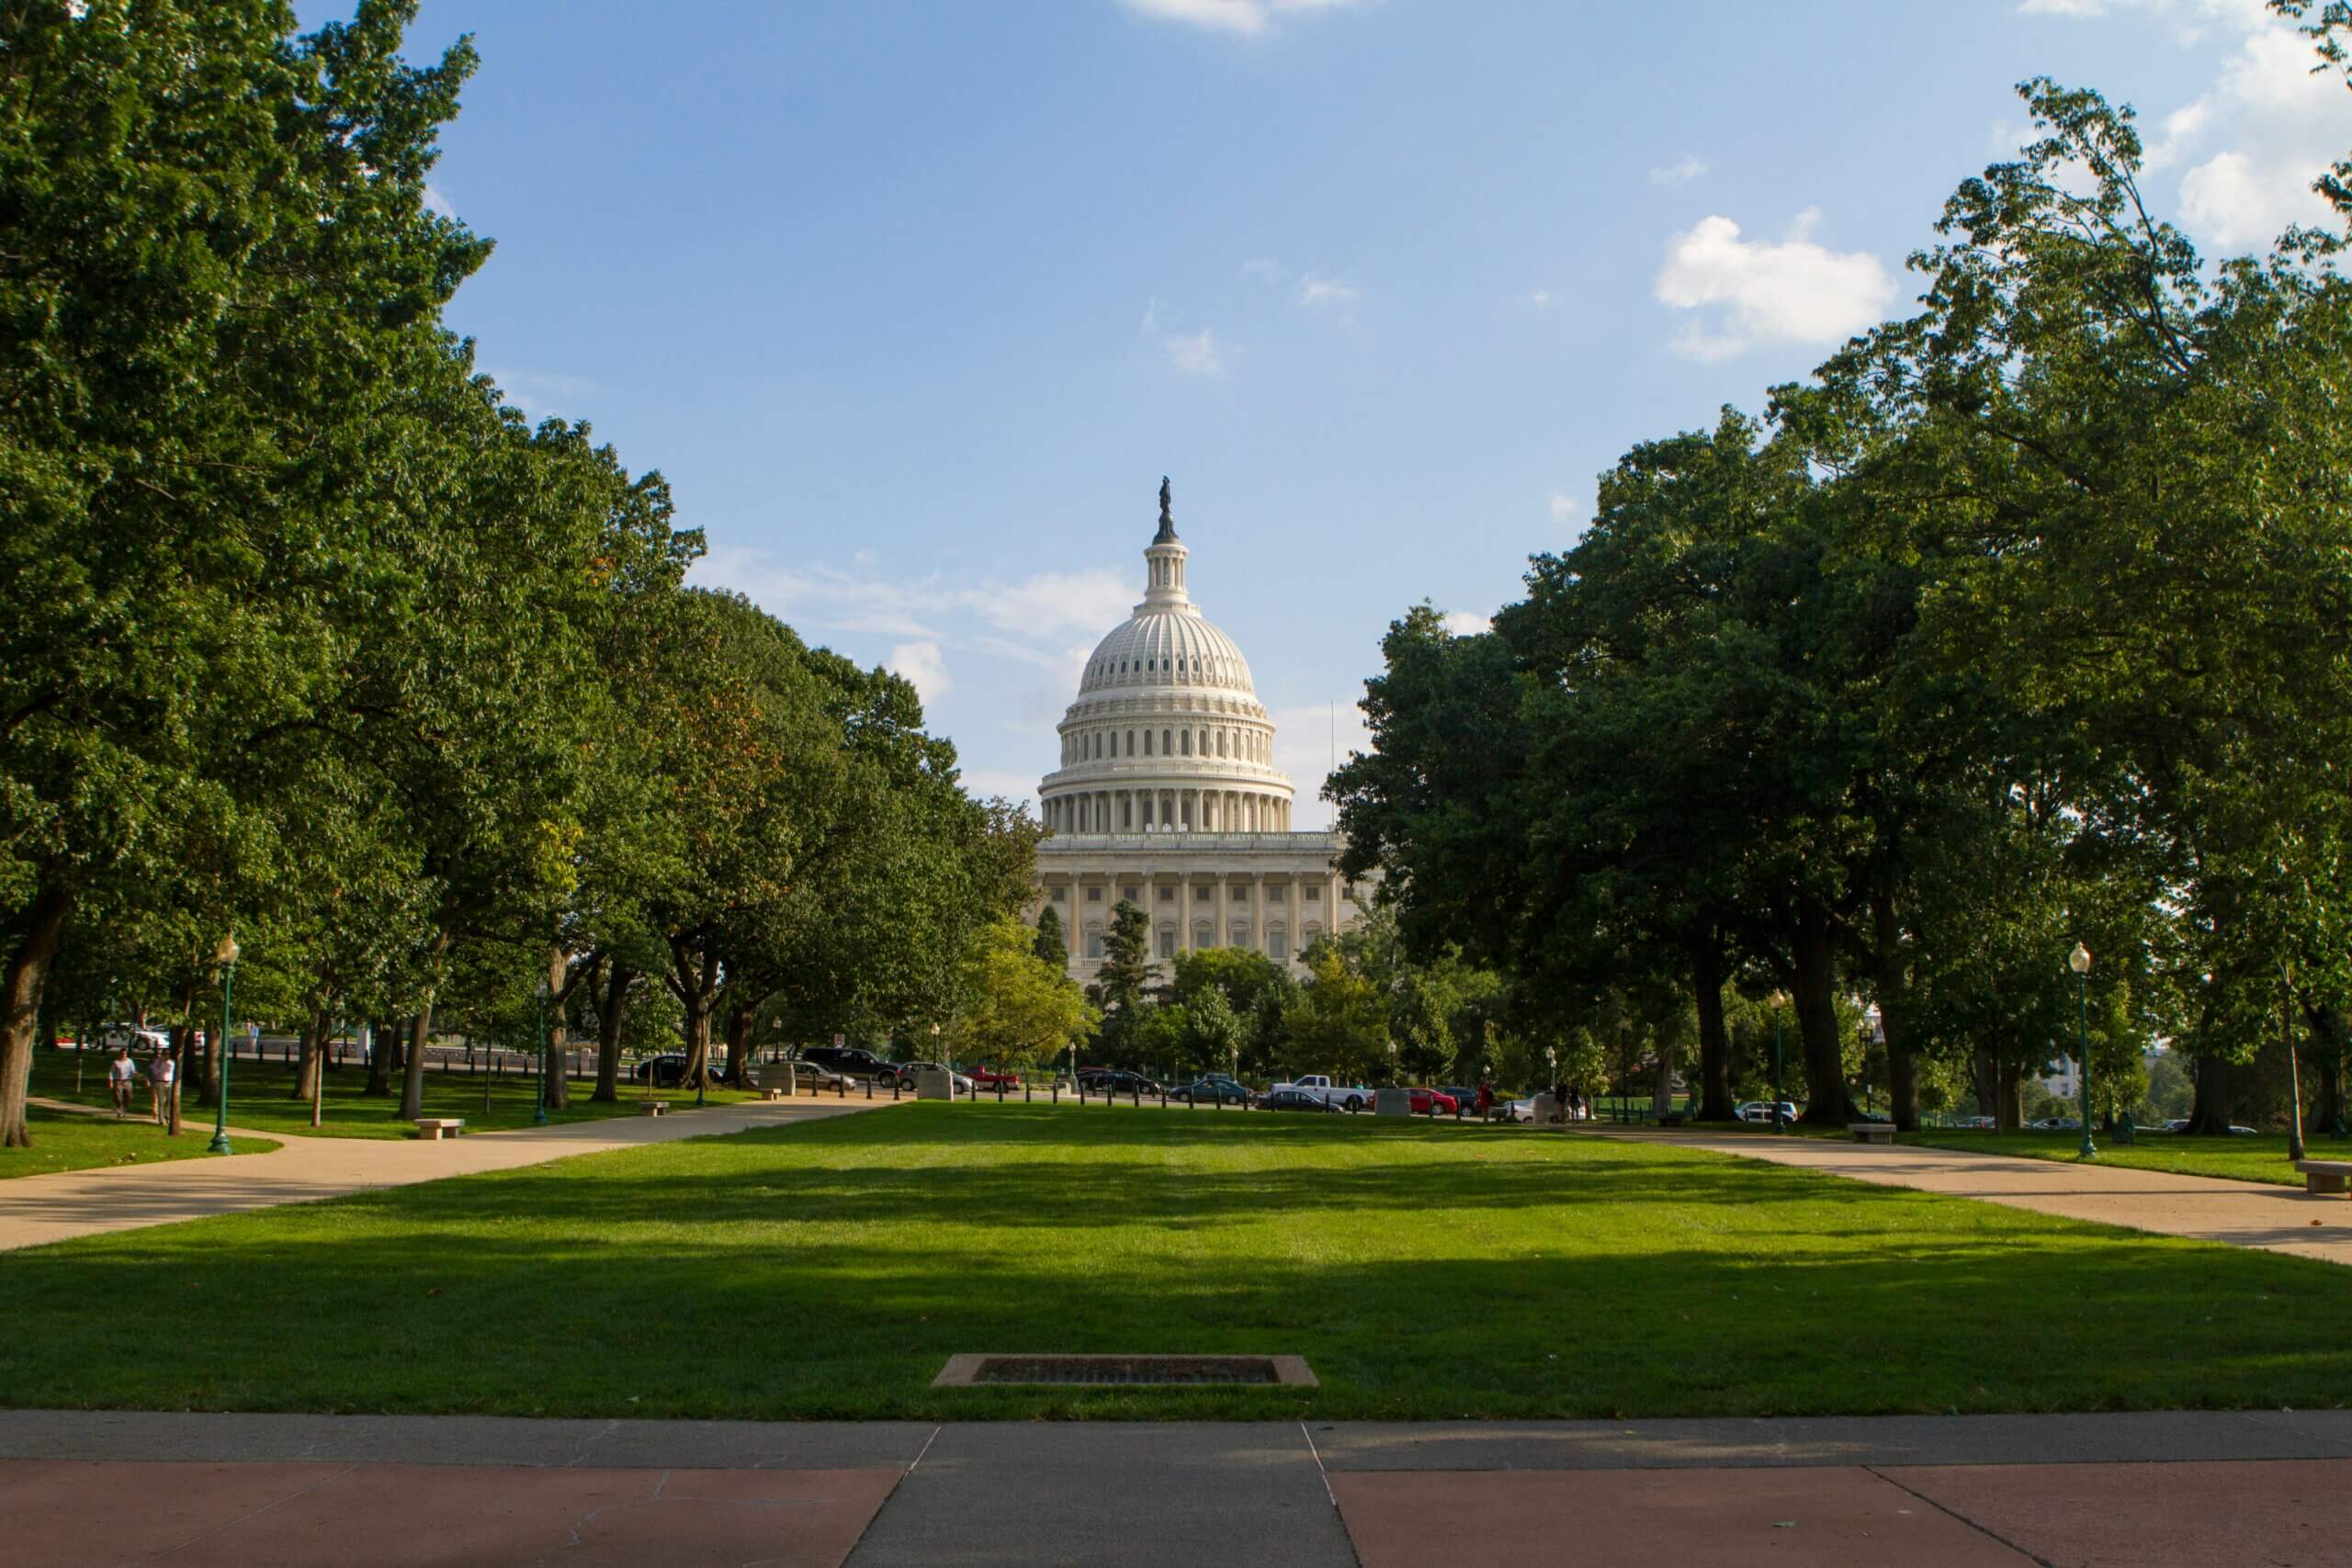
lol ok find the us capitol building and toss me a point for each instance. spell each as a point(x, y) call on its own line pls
point(1168, 796)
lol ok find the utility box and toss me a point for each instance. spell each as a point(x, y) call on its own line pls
point(777, 1078)
point(1392, 1102)
point(935, 1083)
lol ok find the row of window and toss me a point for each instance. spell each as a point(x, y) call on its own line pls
point(1203, 892)
point(1092, 745)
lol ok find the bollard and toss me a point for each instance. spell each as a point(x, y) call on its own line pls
point(894, 1088)
point(1163, 1096)
point(1000, 1091)
point(1058, 1091)
point(841, 1088)
point(869, 1088)
point(1135, 1095)
point(1028, 1092)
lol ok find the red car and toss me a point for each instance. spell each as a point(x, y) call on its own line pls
point(1425, 1097)
point(982, 1077)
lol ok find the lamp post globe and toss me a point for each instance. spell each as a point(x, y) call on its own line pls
point(2080, 961)
point(225, 955)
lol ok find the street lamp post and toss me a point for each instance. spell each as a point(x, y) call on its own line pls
point(224, 955)
point(2080, 961)
point(2294, 1081)
point(539, 1052)
point(1780, 1120)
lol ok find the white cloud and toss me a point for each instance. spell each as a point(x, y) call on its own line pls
point(1468, 623)
point(2250, 145)
point(1195, 353)
point(1151, 313)
point(924, 666)
point(1314, 292)
point(1540, 297)
point(1568, 511)
point(1759, 291)
point(985, 781)
point(435, 202)
point(541, 394)
point(1052, 602)
point(1265, 268)
point(1247, 18)
point(1307, 738)
point(1689, 166)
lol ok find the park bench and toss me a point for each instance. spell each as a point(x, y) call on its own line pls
point(1871, 1131)
point(434, 1127)
point(652, 1106)
point(2326, 1178)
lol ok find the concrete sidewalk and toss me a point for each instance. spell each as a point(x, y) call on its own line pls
point(38, 1209)
point(2269, 1487)
point(2243, 1213)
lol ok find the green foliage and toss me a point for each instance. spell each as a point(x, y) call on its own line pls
point(1021, 1011)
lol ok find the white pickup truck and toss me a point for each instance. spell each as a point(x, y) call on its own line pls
point(1319, 1086)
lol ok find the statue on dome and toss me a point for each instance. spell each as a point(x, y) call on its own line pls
point(1165, 520)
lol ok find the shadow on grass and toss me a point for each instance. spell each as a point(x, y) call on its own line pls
point(828, 1271)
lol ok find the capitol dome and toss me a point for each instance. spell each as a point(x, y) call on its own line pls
point(1167, 735)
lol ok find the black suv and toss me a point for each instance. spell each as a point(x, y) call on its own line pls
point(853, 1062)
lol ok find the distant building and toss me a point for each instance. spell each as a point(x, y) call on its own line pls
point(1168, 796)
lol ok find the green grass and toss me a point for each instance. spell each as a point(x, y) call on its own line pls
point(260, 1097)
point(65, 1141)
point(827, 1270)
point(2259, 1157)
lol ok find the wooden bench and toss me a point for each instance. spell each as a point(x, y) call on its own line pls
point(652, 1106)
point(432, 1128)
point(1871, 1131)
point(2326, 1178)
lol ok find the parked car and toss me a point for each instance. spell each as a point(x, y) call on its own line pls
point(1517, 1110)
point(662, 1072)
point(1431, 1101)
point(1761, 1111)
point(851, 1062)
point(1214, 1089)
point(1981, 1125)
point(907, 1070)
point(1344, 1096)
point(1117, 1084)
point(816, 1078)
point(988, 1077)
point(1287, 1098)
point(1464, 1094)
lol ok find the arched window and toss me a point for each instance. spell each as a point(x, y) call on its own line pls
point(1277, 945)
point(1168, 942)
point(1164, 750)
point(1094, 942)
point(1131, 742)
point(1146, 742)
point(1188, 743)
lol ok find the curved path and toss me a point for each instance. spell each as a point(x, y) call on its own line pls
point(2243, 1214)
point(38, 1209)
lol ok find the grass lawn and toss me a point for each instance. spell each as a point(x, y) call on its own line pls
point(2261, 1157)
point(827, 1270)
point(63, 1141)
point(260, 1097)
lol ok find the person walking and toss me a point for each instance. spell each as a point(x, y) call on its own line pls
point(162, 1078)
point(121, 1074)
point(1486, 1101)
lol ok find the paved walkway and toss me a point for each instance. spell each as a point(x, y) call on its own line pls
point(1994, 1491)
point(2243, 1213)
point(38, 1209)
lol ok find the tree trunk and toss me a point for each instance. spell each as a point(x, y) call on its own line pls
point(2209, 1113)
point(558, 972)
point(608, 1032)
point(1662, 1081)
point(2327, 1052)
point(182, 1038)
point(201, 1072)
point(420, 1029)
point(693, 982)
point(1715, 1046)
point(1815, 961)
point(26, 977)
point(306, 1062)
point(1891, 980)
point(739, 1041)
point(2008, 1107)
point(380, 1059)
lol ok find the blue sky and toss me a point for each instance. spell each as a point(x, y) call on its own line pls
point(915, 304)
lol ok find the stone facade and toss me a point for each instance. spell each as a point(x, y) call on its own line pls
point(1168, 796)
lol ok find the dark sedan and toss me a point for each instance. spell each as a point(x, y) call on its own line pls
point(1211, 1091)
point(1295, 1099)
point(1119, 1084)
point(661, 1072)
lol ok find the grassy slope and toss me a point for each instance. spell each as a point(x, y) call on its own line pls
point(63, 1141)
point(259, 1096)
point(2259, 1158)
point(828, 1270)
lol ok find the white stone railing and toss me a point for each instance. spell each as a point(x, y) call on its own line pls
point(1094, 843)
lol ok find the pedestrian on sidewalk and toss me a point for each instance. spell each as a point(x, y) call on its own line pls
point(121, 1074)
point(163, 1079)
point(1486, 1100)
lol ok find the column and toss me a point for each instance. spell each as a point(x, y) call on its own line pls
point(1257, 912)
